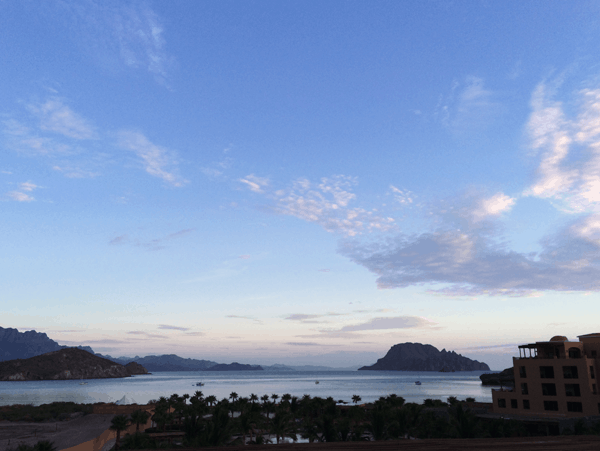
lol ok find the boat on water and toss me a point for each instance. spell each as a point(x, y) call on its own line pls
point(199, 384)
point(418, 383)
point(316, 382)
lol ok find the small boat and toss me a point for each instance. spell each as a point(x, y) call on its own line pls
point(199, 384)
point(316, 382)
point(83, 383)
point(418, 383)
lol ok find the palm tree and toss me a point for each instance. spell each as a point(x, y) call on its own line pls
point(198, 394)
point(119, 423)
point(139, 417)
point(274, 397)
point(253, 398)
point(281, 426)
point(233, 396)
point(211, 399)
point(356, 399)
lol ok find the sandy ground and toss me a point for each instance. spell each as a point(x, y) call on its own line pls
point(63, 434)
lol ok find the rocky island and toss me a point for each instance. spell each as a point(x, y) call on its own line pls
point(68, 363)
point(420, 357)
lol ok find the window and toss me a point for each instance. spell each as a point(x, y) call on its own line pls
point(592, 375)
point(574, 407)
point(594, 392)
point(593, 354)
point(514, 404)
point(599, 407)
point(522, 372)
point(574, 353)
point(572, 390)
point(550, 405)
point(524, 390)
point(549, 389)
point(526, 404)
point(570, 372)
point(502, 403)
point(547, 372)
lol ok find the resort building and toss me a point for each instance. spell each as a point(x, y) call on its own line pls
point(556, 378)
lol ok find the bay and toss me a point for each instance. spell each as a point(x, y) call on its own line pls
point(341, 385)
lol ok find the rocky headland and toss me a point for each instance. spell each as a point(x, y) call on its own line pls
point(504, 377)
point(420, 357)
point(64, 364)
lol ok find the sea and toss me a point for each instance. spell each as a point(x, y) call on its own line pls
point(340, 385)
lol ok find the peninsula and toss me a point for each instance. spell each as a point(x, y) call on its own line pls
point(68, 363)
point(420, 357)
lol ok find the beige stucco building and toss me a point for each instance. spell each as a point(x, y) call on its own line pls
point(556, 378)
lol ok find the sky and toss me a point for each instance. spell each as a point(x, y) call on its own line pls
point(304, 182)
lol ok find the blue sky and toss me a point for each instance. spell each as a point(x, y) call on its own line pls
point(309, 182)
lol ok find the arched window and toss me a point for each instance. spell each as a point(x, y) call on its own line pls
point(574, 353)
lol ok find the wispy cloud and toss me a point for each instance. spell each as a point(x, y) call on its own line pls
point(169, 327)
point(21, 195)
point(403, 197)
point(311, 318)
point(569, 149)
point(158, 161)
point(152, 244)
point(57, 117)
point(301, 343)
point(325, 203)
point(254, 183)
point(147, 335)
point(469, 106)
point(250, 318)
point(122, 33)
point(398, 322)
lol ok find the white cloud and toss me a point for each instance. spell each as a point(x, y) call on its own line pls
point(27, 186)
point(569, 167)
point(254, 183)
point(57, 117)
point(403, 197)
point(493, 206)
point(20, 197)
point(472, 262)
point(327, 204)
point(158, 161)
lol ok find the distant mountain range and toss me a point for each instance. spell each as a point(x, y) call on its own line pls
point(401, 357)
point(23, 345)
point(420, 357)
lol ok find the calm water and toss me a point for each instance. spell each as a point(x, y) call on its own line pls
point(369, 385)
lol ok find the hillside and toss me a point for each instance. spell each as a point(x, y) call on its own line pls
point(420, 357)
point(172, 362)
point(234, 367)
point(68, 363)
